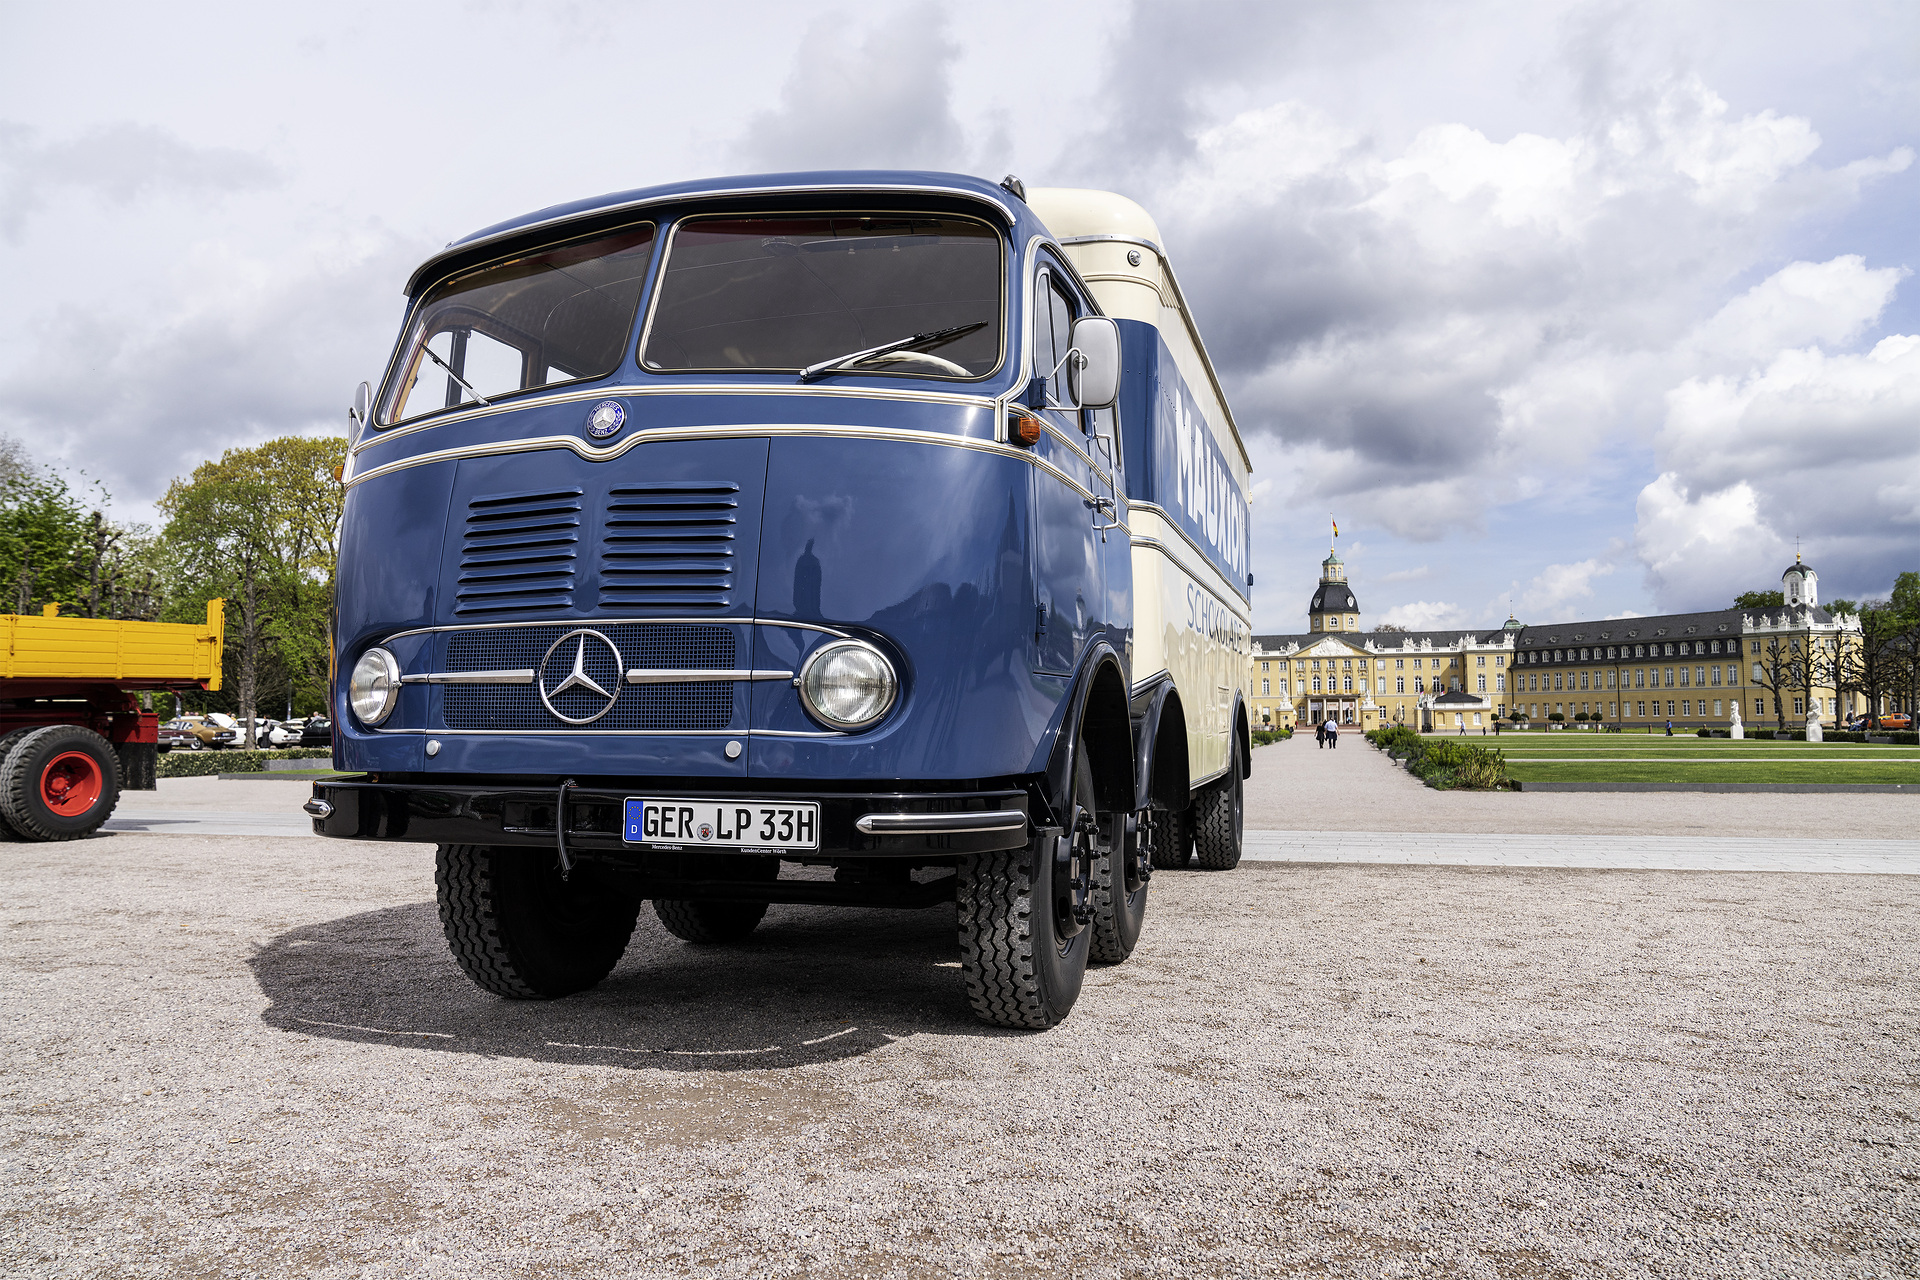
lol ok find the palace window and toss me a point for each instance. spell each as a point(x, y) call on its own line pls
point(1266, 686)
point(1583, 681)
point(1419, 684)
point(1799, 708)
point(1499, 659)
point(1759, 706)
point(1499, 684)
point(1716, 701)
point(1316, 684)
point(1686, 708)
point(1716, 676)
point(1363, 684)
point(1613, 679)
point(1670, 677)
point(1399, 664)
point(1756, 672)
point(1480, 661)
point(1640, 710)
point(1263, 666)
point(1483, 683)
point(1399, 684)
point(1684, 682)
point(1347, 665)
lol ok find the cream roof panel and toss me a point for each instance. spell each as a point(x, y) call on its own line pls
point(1077, 211)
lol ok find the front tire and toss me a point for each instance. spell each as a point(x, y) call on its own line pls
point(518, 930)
point(712, 922)
point(59, 782)
point(1023, 948)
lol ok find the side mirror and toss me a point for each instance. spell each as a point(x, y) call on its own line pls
point(358, 414)
point(1096, 375)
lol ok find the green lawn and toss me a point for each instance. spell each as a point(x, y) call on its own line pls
point(1637, 757)
point(1693, 770)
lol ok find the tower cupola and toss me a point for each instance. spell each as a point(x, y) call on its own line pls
point(1800, 584)
point(1333, 607)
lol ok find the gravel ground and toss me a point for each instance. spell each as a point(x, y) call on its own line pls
point(227, 1056)
point(1299, 786)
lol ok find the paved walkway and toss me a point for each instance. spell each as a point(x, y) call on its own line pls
point(1299, 787)
point(1644, 853)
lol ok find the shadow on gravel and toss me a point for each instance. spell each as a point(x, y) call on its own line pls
point(812, 984)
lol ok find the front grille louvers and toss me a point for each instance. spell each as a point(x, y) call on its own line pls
point(517, 552)
point(669, 545)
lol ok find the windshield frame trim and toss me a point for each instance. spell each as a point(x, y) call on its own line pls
point(417, 281)
point(1003, 238)
point(380, 429)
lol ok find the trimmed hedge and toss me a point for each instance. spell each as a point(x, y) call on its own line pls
point(202, 764)
point(1444, 763)
point(1267, 737)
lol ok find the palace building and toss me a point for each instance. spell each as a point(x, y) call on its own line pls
point(1691, 668)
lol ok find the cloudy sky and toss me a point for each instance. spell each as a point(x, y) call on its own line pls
point(1592, 308)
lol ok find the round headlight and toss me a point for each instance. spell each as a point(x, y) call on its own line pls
point(374, 686)
point(848, 684)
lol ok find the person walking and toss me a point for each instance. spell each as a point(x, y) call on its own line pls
point(1333, 733)
point(1320, 735)
point(1669, 728)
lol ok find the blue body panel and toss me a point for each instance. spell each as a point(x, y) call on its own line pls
point(881, 507)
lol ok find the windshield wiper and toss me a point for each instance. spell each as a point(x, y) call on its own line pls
point(934, 338)
point(456, 377)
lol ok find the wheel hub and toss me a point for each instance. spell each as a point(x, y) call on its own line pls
point(1073, 876)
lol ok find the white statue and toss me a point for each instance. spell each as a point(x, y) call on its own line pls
point(1813, 721)
point(1739, 730)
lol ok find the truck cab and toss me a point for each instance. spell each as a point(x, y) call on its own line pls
point(852, 538)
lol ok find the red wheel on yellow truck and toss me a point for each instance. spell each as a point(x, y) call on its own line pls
point(59, 782)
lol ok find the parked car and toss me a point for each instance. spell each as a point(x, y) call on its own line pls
point(1899, 720)
point(317, 732)
point(282, 733)
point(198, 733)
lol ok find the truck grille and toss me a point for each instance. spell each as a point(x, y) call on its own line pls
point(517, 552)
point(665, 708)
point(669, 545)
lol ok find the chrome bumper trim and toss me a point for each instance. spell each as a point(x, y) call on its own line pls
point(927, 824)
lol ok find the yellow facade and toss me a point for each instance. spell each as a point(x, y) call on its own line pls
point(1691, 669)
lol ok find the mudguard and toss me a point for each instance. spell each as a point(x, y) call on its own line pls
point(1059, 772)
point(1148, 706)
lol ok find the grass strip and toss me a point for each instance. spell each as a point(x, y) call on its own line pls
point(1676, 771)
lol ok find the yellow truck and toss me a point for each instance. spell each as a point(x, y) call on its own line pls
point(73, 735)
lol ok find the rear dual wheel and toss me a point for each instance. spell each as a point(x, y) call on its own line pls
point(57, 782)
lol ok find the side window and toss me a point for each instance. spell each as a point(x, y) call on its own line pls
point(1053, 314)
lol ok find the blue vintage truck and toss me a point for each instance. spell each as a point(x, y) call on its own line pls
point(858, 538)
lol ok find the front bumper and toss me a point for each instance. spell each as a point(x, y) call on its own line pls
point(906, 824)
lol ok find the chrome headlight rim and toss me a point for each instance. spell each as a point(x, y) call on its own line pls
point(827, 718)
point(371, 666)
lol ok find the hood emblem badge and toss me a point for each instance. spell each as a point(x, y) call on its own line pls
point(605, 419)
point(564, 676)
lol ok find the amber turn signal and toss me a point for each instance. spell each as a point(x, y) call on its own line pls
point(1024, 429)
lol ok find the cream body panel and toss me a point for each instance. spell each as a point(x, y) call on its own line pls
point(1188, 623)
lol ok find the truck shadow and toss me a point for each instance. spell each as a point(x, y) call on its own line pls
point(813, 984)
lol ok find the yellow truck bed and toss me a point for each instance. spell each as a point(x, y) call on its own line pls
point(101, 651)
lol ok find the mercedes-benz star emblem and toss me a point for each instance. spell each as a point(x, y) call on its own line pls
point(574, 673)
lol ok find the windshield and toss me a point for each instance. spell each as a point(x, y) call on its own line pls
point(560, 315)
point(785, 293)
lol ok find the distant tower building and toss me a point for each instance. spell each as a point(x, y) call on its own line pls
point(1333, 607)
point(1800, 584)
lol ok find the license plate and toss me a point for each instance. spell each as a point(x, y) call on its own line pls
point(752, 825)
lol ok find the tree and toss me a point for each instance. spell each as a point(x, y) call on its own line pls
point(1778, 671)
point(54, 550)
point(261, 527)
point(1760, 600)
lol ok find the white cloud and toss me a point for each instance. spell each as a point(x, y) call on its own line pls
point(119, 163)
point(1403, 575)
point(1561, 592)
point(1427, 615)
point(1817, 446)
point(1802, 304)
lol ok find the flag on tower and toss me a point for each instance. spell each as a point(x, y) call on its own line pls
point(1336, 527)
